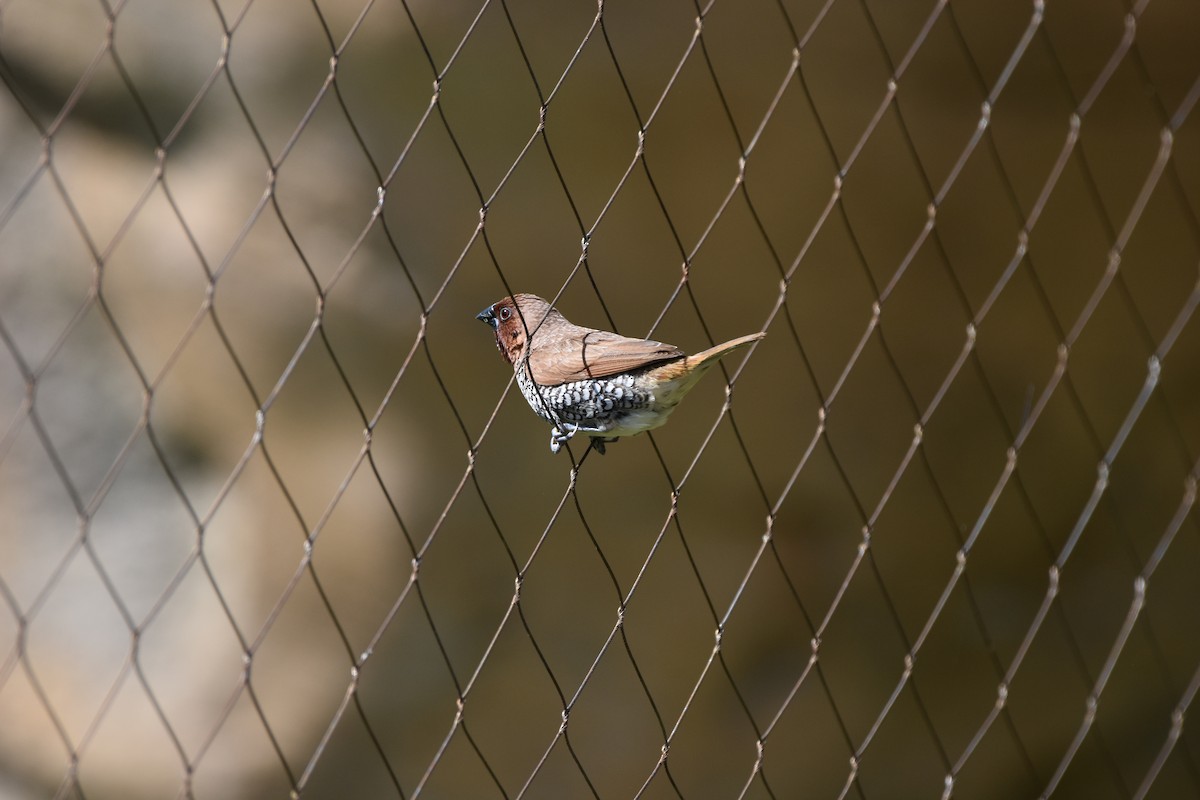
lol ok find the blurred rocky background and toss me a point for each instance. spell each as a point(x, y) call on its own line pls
point(265, 499)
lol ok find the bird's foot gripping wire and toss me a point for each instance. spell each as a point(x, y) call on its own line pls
point(563, 432)
point(560, 434)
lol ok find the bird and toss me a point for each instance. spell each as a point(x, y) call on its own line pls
point(594, 382)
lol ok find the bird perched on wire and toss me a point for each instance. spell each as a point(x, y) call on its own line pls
point(598, 383)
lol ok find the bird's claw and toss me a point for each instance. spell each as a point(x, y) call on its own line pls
point(563, 432)
point(560, 435)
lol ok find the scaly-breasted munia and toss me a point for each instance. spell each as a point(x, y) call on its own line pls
point(582, 380)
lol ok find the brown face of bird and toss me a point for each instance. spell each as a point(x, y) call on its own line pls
point(511, 325)
point(510, 337)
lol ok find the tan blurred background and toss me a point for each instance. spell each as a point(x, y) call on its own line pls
point(189, 247)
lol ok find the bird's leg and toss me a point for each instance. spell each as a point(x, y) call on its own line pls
point(563, 431)
point(598, 442)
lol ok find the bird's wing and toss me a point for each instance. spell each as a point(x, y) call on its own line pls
point(587, 353)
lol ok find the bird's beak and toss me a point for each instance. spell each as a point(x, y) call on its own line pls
point(488, 316)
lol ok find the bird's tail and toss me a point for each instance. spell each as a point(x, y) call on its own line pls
point(705, 358)
point(676, 378)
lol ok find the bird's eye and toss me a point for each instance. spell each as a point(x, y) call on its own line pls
point(505, 313)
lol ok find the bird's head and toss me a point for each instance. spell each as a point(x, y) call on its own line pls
point(515, 319)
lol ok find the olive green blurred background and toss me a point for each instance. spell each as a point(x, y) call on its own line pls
point(201, 313)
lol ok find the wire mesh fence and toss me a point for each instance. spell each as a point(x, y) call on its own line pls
point(276, 523)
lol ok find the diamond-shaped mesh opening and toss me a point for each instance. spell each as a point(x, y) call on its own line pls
point(276, 524)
